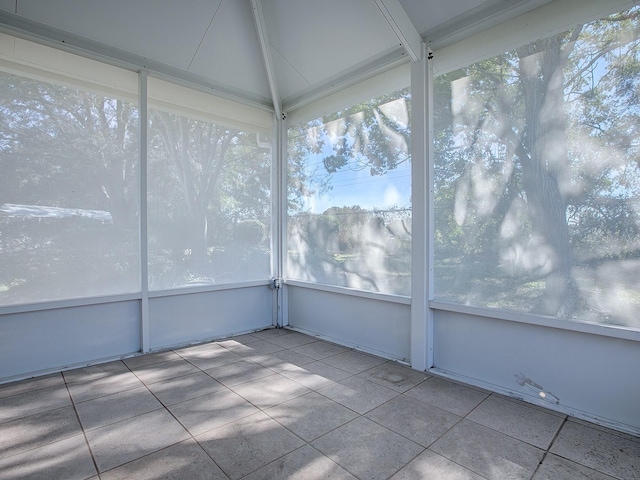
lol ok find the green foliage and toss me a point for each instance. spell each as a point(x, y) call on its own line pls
point(537, 167)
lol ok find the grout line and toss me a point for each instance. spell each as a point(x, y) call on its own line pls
point(264, 410)
point(84, 433)
point(176, 419)
point(548, 449)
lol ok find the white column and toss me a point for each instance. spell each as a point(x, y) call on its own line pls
point(422, 213)
point(144, 256)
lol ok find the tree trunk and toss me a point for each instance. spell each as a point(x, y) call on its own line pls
point(547, 168)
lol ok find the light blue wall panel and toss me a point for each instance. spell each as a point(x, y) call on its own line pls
point(596, 375)
point(31, 342)
point(181, 319)
point(377, 326)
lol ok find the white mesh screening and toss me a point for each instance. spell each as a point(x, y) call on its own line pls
point(349, 193)
point(69, 187)
point(537, 182)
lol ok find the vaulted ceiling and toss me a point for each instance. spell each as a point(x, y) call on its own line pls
point(312, 44)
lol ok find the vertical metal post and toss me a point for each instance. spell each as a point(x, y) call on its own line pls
point(283, 299)
point(278, 223)
point(430, 214)
point(276, 236)
point(422, 213)
point(144, 254)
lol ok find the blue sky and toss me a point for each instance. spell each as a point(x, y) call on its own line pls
point(353, 186)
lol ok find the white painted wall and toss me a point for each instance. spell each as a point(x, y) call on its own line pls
point(180, 319)
point(377, 326)
point(54, 339)
point(593, 376)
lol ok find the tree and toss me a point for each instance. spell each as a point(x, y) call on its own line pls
point(70, 171)
point(212, 183)
point(367, 248)
point(537, 158)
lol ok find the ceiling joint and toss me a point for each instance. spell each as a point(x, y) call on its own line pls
point(402, 26)
point(265, 47)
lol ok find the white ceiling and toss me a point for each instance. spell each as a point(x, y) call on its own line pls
point(311, 42)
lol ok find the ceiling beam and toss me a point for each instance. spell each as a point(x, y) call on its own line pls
point(261, 29)
point(403, 27)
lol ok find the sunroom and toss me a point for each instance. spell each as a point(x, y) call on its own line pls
point(407, 224)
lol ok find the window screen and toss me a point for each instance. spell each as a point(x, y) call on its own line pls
point(349, 194)
point(69, 184)
point(537, 179)
point(209, 192)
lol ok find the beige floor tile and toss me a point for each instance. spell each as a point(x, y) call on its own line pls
point(367, 450)
point(358, 394)
point(122, 442)
point(261, 347)
point(291, 340)
point(315, 375)
point(628, 436)
point(246, 445)
point(394, 376)
point(67, 459)
point(211, 411)
point(375, 423)
point(184, 388)
point(37, 430)
point(158, 372)
point(605, 452)
point(431, 466)
point(203, 350)
point(293, 357)
point(447, 395)
point(319, 350)
point(311, 416)
point(556, 468)
point(244, 339)
point(282, 361)
point(268, 391)
point(183, 461)
point(239, 372)
point(270, 333)
point(117, 407)
point(413, 419)
point(530, 425)
point(31, 384)
point(95, 372)
point(31, 402)
point(100, 385)
point(353, 362)
point(210, 358)
point(487, 452)
point(150, 358)
point(306, 463)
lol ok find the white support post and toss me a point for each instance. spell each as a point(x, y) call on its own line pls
point(278, 192)
point(278, 222)
point(430, 215)
point(275, 221)
point(422, 214)
point(144, 254)
point(282, 220)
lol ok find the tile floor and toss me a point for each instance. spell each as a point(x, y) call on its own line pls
point(279, 404)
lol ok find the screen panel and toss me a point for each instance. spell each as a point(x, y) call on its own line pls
point(537, 184)
point(349, 197)
point(69, 187)
point(209, 196)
